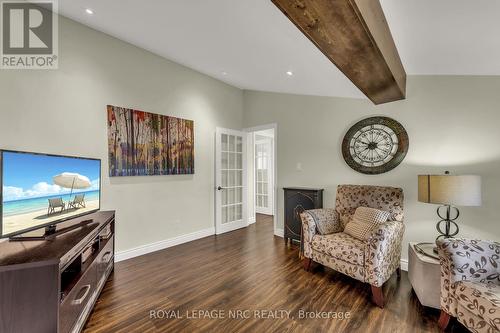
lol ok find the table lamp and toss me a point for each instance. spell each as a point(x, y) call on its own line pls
point(449, 191)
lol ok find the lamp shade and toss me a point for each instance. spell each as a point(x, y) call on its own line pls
point(450, 190)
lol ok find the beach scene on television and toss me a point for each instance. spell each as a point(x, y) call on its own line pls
point(39, 189)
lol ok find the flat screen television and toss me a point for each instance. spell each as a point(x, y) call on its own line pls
point(41, 190)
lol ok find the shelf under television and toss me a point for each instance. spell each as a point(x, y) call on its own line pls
point(67, 287)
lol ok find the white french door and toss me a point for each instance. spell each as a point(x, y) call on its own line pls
point(263, 175)
point(230, 180)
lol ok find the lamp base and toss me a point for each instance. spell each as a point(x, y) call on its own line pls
point(447, 221)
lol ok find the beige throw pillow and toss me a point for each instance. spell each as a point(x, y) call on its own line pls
point(364, 221)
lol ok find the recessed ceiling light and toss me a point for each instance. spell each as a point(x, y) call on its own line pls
point(89, 11)
point(224, 73)
point(289, 73)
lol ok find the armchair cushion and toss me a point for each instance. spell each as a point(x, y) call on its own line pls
point(364, 220)
point(327, 220)
point(480, 299)
point(340, 246)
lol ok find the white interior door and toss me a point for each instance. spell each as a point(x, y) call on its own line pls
point(230, 180)
point(263, 175)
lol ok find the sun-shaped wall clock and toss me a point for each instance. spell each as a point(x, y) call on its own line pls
point(375, 145)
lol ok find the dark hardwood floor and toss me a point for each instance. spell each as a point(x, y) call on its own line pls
point(248, 269)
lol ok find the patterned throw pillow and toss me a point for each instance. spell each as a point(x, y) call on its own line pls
point(364, 221)
point(326, 220)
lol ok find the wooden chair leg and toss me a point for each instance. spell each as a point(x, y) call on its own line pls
point(398, 272)
point(378, 296)
point(307, 263)
point(444, 320)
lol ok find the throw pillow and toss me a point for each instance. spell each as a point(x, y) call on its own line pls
point(364, 221)
point(326, 220)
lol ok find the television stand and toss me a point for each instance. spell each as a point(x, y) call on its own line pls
point(53, 286)
point(51, 232)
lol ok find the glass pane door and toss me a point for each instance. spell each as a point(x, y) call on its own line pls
point(263, 174)
point(230, 179)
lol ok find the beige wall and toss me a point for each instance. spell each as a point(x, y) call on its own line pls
point(453, 124)
point(64, 112)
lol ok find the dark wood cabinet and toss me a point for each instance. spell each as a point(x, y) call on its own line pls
point(298, 199)
point(51, 286)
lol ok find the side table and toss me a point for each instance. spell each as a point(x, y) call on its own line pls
point(424, 273)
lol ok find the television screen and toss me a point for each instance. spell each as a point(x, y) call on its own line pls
point(40, 190)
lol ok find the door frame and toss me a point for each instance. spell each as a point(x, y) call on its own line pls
point(276, 217)
point(220, 228)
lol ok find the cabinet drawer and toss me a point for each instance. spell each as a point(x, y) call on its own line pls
point(77, 298)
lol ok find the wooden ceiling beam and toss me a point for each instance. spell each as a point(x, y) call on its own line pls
point(355, 36)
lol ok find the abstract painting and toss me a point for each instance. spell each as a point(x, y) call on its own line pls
point(146, 144)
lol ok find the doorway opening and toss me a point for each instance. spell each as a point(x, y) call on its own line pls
point(262, 175)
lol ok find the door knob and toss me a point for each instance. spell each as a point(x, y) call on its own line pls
point(220, 188)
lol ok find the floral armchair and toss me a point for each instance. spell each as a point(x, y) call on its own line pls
point(372, 261)
point(470, 283)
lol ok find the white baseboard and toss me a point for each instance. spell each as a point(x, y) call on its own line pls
point(251, 220)
point(279, 232)
point(404, 265)
point(157, 246)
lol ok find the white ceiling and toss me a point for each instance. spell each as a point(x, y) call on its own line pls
point(255, 44)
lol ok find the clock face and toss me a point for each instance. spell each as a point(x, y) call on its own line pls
point(375, 145)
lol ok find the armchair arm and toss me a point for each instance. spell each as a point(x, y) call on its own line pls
point(466, 260)
point(383, 252)
point(310, 218)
